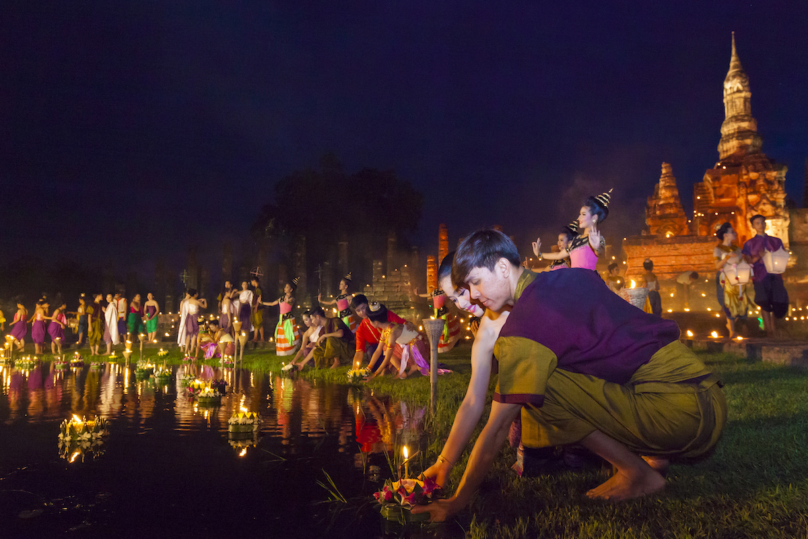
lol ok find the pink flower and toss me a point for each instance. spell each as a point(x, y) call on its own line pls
point(385, 495)
point(412, 499)
point(429, 486)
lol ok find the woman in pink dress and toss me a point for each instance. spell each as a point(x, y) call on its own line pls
point(565, 237)
point(584, 250)
point(38, 327)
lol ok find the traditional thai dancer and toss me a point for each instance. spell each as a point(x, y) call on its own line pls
point(209, 340)
point(652, 284)
point(95, 317)
point(258, 311)
point(332, 344)
point(151, 310)
point(226, 312)
point(38, 327)
point(246, 298)
point(56, 328)
point(404, 350)
point(111, 335)
point(81, 313)
point(134, 323)
point(343, 301)
point(734, 298)
point(286, 332)
point(586, 247)
point(189, 325)
point(451, 326)
point(565, 237)
point(621, 384)
point(19, 325)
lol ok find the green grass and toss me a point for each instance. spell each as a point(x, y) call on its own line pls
point(755, 485)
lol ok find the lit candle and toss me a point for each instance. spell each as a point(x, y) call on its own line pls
point(406, 463)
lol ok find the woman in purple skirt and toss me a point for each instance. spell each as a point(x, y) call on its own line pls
point(19, 327)
point(56, 328)
point(246, 299)
point(38, 327)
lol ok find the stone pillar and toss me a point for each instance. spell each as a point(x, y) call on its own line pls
point(342, 255)
point(415, 265)
point(443, 242)
point(431, 273)
point(392, 245)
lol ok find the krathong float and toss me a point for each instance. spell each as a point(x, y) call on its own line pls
point(79, 436)
point(188, 359)
point(356, 376)
point(144, 370)
point(96, 365)
point(60, 364)
point(397, 498)
point(227, 361)
point(162, 353)
point(77, 360)
point(26, 362)
point(162, 375)
point(208, 397)
point(243, 422)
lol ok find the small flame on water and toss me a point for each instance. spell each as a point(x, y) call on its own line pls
point(76, 418)
point(243, 452)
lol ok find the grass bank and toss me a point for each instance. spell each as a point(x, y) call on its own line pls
point(755, 485)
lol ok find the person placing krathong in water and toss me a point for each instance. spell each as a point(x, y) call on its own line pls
point(367, 336)
point(621, 384)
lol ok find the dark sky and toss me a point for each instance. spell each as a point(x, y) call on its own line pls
point(129, 130)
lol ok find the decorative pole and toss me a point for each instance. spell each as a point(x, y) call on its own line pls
point(141, 337)
point(434, 329)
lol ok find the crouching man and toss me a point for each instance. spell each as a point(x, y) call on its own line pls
point(583, 366)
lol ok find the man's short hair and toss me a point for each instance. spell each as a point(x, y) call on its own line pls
point(317, 311)
point(756, 216)
point(483, 249)
point(358, 300)
point(694, 275)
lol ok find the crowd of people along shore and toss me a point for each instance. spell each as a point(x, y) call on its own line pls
point(578, 366)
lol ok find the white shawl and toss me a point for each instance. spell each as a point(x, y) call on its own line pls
point(111, 318)
point(183, 316)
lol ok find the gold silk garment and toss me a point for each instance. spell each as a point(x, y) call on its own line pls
point(672, 406)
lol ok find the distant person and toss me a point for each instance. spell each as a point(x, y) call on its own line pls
point(82, 327)
point(95, 324)
point(151, 310)
point(308, 340)
point(614, 280)
point(733, 297)
point(134, 322)
point(770, 292)
point(245, 303)
point(19, 325)
point(111, 333)
point(188, 337)
point(258, 311)
point(652, 284)
point(38, 326)
point(287, 334)
point(332, 344)
point(120, 306)
point(56, 328)
point(343, 301)
point(686, 280)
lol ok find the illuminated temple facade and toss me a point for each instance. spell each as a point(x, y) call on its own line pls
point(743, 182)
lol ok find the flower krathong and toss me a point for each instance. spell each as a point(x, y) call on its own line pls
point(162, 372)
point(61, 364)
point(407, 492)
point(208, 397)
point(219, 385)
point(244, 422)
point(96, 365)
point(144, 369)
point(357, 375)
point(188, 359)
point(228, 361)
point(77, 360)
point(78, 436)
point(26, 362)
point(162, 353)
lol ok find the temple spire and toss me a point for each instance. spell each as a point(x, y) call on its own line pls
point(739, 135)
point(734, 61)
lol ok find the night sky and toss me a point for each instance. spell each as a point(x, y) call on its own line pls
point(131, 130)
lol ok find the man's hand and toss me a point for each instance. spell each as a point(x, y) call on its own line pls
point(439, 472)
point(410, 326)
point(439, 511)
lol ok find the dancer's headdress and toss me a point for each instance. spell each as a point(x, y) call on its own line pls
point(348, 276)
point(374, 306)
point(296, 281)
point(604, 199)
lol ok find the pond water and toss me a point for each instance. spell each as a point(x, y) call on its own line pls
point(169, 466)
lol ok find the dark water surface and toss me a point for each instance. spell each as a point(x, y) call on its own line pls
point(169, 467)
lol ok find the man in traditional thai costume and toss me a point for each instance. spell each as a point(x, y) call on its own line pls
point(583, 366)
point(333, 343)
point(120, 305)
point(770, 293)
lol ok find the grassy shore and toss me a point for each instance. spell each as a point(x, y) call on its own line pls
point(755, 485)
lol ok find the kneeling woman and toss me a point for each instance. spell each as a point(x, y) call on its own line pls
point(332, 344)
point(404, 350)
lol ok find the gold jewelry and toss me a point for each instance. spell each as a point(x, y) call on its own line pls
point(443, 459)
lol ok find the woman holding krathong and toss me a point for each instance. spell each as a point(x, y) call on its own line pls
point(286, 333)
point(151, 310)
point(343, 301)
point(587, 246)
point(38, 327)
point(734, 299)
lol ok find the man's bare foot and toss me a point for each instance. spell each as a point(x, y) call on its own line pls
point(335, 364)
point(659, 464)
point(621, 486)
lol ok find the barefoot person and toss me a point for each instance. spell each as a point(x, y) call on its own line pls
point(583, 366)
point(332, 344)
point(287, 335)
point(343, 301)
point(367, 336)
point(95, 324)
point(770, 293)
point(188, 334)
point(151, 310)
point(734, 298)
point(111, 324)
point(19, 327)
point(308, 340)
point(38, 326)
point(56, 328)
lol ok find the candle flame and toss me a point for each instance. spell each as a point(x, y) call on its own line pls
point(714, 334)
point(243, 452)
point(689, 333)
point(406, 453)
point(76, 418)
point(633, 284)
point(74, 455)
